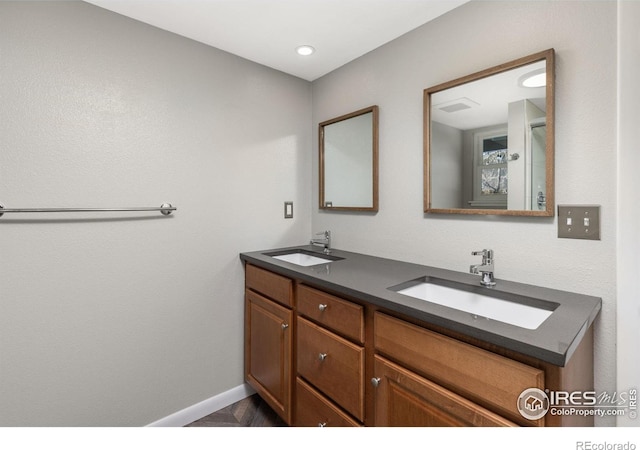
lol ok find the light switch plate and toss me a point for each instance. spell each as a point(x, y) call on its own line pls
point(288, 210)
point(579, 222)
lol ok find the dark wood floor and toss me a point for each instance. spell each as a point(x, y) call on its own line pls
point(249, 412)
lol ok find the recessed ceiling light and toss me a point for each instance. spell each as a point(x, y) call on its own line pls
point(305, 50)
point(537, 78)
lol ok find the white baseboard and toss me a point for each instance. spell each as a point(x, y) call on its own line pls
point(205, 407)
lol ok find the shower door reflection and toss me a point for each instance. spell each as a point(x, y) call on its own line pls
point(537, 139)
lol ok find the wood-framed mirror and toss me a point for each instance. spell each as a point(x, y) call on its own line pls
point(348, 148)
point(489, 141)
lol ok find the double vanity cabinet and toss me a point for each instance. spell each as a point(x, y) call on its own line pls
point(331, 345)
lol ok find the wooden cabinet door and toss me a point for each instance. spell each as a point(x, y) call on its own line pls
point(404, 399)
point(486, 378)
point(268, 352)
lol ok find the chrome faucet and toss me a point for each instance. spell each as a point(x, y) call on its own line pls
point(485, 270)
point(325, 241)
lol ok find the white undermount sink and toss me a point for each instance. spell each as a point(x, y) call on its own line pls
point(303, 258)
point(511, 312)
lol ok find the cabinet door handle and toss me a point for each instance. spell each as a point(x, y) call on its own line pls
point(375, 381)
point(322, 356)
point(322, 307)
point(284, 326)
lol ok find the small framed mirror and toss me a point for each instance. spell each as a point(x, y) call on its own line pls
point(349, 161)
point(489, 141)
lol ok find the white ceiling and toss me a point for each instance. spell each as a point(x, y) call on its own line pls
point(488, 97)
point(268, 31)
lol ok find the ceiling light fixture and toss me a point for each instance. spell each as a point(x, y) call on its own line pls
point(537, 78)
point(305, 50)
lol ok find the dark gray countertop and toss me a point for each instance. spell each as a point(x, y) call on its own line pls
point(369, 278)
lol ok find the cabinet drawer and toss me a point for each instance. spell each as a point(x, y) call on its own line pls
point(404, 399)
point(314, 410)
point(482, 376)
point(341, 316)
point(332, 364)
point(269, 284)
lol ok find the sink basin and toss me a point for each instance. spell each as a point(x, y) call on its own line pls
point(303, 257)
point(509, 311)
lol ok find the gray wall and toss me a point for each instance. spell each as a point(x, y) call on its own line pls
point(127, 320)
point(527, 250)
point(447, 154)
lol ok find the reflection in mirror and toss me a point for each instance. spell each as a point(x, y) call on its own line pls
point(489, 141)
point(349, 161)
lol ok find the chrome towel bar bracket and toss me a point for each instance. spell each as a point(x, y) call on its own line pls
point(165, 209)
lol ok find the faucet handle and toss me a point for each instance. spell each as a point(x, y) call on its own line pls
point(487, 255)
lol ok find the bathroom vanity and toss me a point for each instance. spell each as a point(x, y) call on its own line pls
point(345, 339)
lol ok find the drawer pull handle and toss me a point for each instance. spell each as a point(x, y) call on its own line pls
point(375, 381)
point(322, 356)
point(284, 326)
point(322, 307)
point(322, 424)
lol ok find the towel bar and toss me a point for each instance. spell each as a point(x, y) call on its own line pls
point(165, 209)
